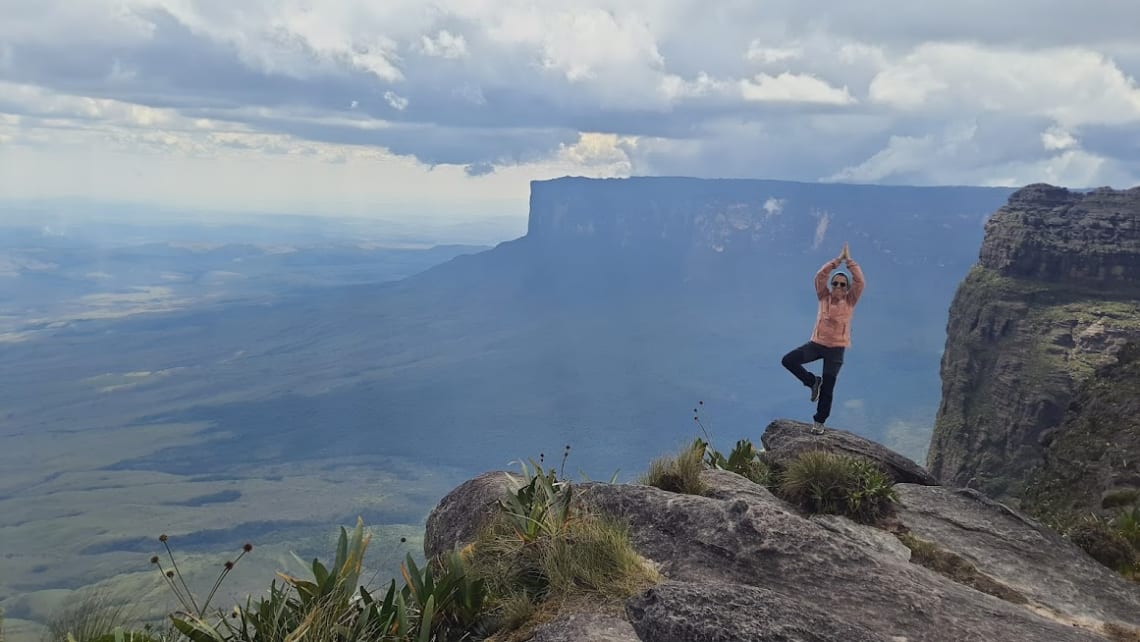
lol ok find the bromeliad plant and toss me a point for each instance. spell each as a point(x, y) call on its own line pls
point(743, 460)
point(541, 506)
point(439, 602)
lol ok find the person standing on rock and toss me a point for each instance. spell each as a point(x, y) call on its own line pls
point(832, 333)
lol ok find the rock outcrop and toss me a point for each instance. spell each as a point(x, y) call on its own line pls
point(741, 564)
point(1052, 298)
point(784, 440)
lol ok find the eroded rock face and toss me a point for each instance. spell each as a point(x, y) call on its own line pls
point(1092, 460)
point(785, 439)
point(1052, 234)
point(1052, 299)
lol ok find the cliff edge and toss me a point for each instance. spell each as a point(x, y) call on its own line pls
point(737, 562)
point(1052, 299)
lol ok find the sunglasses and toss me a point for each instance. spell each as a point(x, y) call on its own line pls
point(839, 284)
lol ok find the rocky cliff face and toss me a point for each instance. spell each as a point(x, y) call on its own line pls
point(738, 563)
point(1053, 297)
point(1091, 461)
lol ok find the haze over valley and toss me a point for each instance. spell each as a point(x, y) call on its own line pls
point(341, 378)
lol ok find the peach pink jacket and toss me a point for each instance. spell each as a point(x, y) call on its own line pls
point(833, 321)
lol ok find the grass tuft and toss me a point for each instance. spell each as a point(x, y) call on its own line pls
point(544, 550)
point(93, 616)
point(825, 482)
point(678, 474)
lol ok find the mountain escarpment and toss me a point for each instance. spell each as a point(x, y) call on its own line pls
point(1053, 300)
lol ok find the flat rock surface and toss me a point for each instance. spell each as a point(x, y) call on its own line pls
point(587, 627)
point(676, 611)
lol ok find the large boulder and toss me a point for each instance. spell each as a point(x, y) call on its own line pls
point(459, 515)
point(785, 439)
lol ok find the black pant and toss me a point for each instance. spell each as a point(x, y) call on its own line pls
point(832, 362)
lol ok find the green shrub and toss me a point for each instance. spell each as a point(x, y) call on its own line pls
point(825, 482)
point(1103, 543)
point(1127, 524)
point(679, 474)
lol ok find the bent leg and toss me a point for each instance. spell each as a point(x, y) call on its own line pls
point(832, 362)
point(795, 359)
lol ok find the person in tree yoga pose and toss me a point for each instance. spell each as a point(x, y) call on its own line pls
point(832, 333)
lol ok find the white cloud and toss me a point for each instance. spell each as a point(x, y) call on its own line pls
point(444, 45)
point(674, 87)
point(909, 154)
point(788, 87)
point(581, 44)
point(397, 101)
point(1070, 85)
point(773, 206)
point(1056, 138)
point(804, 91)
point(957, 156)
point(759, 53)
point(607, 154)
point(858, 52)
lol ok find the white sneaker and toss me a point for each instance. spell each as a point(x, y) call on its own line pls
point(816, 428)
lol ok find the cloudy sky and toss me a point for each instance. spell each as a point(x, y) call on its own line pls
point(451, 107)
